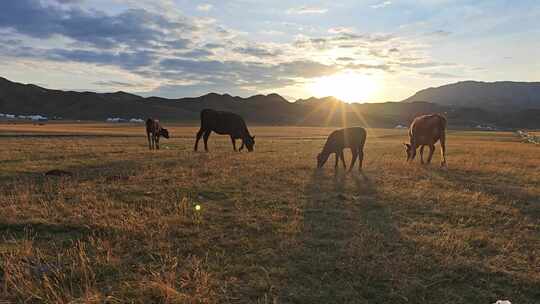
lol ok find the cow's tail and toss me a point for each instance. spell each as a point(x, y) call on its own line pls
point(443, 122)
point(149, 122)
point(363, 141)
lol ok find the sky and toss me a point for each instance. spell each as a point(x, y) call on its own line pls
point(358, 51)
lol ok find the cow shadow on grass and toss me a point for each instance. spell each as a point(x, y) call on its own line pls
point(338, 210)
point(352, 251)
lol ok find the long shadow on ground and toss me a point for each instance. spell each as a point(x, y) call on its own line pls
point(352, 251)
point(342, 225)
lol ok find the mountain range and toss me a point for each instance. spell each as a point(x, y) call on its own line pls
point(488, 95)
point(466, 104)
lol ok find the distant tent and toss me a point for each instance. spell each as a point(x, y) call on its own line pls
point(116, 119)
point(38, 118)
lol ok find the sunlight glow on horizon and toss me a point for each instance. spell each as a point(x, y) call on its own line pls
point(357, 51)
point(349, 87)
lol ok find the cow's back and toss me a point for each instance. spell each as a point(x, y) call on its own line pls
point(222, 122)
point(427, 129)
point(354, 137)
point(346, 138)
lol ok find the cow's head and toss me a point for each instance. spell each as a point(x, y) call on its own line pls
point(321, 159)
point(164, 132)
point(411, 152)
point(249, 141)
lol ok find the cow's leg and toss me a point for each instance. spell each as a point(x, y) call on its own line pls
point(157, 141)
point(233, 143)
point(360, 158)
point(205, 137)
point(242, 146)
point(422, 154)
point(353, 160)
point(431, 150)
point(443, 150)
point(342, 159)
point(337, 160)
point(149, 140)
point(199, 134)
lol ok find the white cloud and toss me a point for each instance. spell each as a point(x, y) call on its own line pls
point(381, 5)
point(185, 55)
point(204, 7)
point(302, 10)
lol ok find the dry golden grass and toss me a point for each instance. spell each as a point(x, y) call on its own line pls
point(271, 228)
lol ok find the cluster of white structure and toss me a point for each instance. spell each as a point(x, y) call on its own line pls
point(118, 120)
point(24, 117)
point(486, 127)
point(529, 138)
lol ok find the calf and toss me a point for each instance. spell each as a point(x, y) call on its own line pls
point(225, 123)
point(426, 130)
point(353, 138)
point(153, 131)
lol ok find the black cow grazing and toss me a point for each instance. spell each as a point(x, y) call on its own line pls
point(353, 138)
point(225, 123)
point(153, 131)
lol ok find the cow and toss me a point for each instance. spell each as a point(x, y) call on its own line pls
point(153, 131)
point(353, 138)
point(224, 123)
point(426, 130)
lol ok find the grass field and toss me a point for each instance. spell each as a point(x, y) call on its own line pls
point(271, 228)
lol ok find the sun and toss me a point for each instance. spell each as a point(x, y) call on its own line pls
point(349, 87)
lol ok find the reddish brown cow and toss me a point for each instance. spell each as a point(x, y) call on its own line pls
point(424, 131)
point(153, 131)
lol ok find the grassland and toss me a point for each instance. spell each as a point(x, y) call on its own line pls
point(271, 228)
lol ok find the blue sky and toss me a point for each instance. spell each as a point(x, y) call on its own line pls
point(367, 51)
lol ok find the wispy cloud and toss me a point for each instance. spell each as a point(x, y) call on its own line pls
point(204, 7)
point(381, 4)
point(114, 84)
point(439, 75)
point(440, 33)
point(303, 10)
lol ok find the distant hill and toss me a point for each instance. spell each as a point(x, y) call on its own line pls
point(488, 95)
point(273, 109)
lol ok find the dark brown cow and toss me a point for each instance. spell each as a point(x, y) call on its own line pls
point(225, 123)
point(153, 131)
point(353, 138)
point(424, 131)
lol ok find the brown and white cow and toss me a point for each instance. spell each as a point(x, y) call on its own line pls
point(426, 130)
